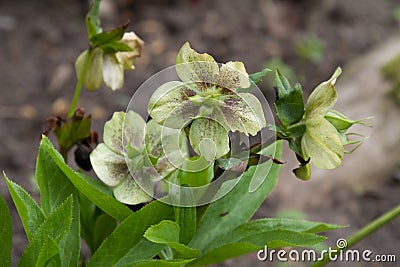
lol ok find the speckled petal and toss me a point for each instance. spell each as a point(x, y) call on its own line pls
point(194, 67)
point(124, 129)
point(109, 166)
point(233, 75)
point(209, 139)
point(170, 104)
point(129, 192)
point(240, 112)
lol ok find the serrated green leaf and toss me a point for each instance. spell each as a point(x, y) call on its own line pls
point(55, 188)
point(50, 252)
point(129, 233)
point(112, 36)
point(167, 232)
point(93, 190)
point(240, 203)
point(57, 226)
point(5, 233)
point(289, 104)
point(143, 250)
point(93, 20)
point(29, 212)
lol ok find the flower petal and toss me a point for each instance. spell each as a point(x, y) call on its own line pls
point(322, 144)
point(113, 72)
point(194, 67)
point(170, 105)
point(233, 75)
point(240, 112)
point(209, 139)
point(109, 166)
point(129, 192)
point(124, 129)
point(127, 59)
point(94, 74)
point(322, 98)
point(168, 145)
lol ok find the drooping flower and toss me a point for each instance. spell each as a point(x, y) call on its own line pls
point(108, 66)
point(321, 141)
point(133, 151)
point(208, 97)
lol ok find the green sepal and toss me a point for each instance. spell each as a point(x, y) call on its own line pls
point(289, 103)
point(92, 19)
point(104, 38)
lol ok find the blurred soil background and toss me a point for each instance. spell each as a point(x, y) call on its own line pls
point(39, 41)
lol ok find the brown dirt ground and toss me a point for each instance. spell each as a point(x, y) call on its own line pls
point(39, 41)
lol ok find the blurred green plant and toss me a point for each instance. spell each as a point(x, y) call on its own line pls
point(396, 14)
point(391, 71)
point(311, 48)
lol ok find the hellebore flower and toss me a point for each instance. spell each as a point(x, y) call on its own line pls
point(108, 66)
point(209, 99)
point(130, 149)
point(321, 141)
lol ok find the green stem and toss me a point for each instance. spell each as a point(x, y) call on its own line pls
point(78, 87)
point(361, 234)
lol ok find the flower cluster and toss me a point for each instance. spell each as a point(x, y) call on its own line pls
point(133, 151)
point(209, 100)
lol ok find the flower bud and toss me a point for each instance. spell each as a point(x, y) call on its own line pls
point(127, 59)
point(94, 68)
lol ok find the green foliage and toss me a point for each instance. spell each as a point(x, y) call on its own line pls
point(311, 48)
point(95, 191)
point(167, 233)
point(5, 233)
point(29, 212)
point(129, 233)
point(396, 14)
point(391, 72)
point(289, 104)
point(50, 235)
